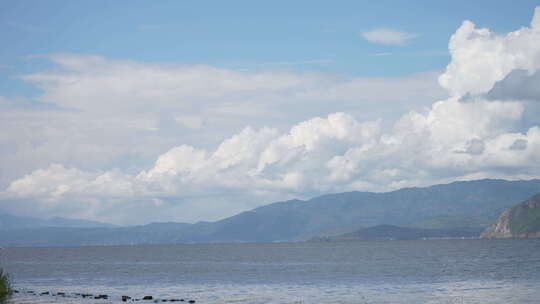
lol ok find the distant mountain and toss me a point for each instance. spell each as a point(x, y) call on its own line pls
point(10, 222)
point(467, 204)
point(389, 232)
point(156, 233)
point(474, 203)
point(522, 220)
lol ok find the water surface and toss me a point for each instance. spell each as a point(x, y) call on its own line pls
point(434, 271)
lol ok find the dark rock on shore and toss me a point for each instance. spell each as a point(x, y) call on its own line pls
point(124, 298)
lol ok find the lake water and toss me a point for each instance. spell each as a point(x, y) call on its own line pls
point(434, 271)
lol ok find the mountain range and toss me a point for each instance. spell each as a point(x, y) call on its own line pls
point(463, 204)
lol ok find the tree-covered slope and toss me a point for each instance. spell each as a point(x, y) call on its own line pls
point(474, 203)
point(522, 220)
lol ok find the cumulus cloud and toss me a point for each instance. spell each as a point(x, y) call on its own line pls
point(517, 85)
point(519, 144)
point(335, 153)
point(480, 57)
point(96, 112)
point(388, 36)
point(105, 114)
point(58, 181)
point(477, 132)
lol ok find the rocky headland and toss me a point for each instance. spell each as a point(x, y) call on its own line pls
point(520, 221)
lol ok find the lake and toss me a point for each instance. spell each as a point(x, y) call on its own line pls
point(431, 271)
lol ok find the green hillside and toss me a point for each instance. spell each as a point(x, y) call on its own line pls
point(521, 220)
point(525, 217)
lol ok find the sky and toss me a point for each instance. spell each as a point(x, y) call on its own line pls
point(132, 112)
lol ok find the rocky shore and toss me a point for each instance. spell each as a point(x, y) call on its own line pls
point(98, 296)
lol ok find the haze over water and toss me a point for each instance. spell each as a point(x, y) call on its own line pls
point(435, 271)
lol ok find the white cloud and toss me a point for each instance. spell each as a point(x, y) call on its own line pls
point(112, 113)
point(190, 121)
point(388, 36)
point(517, 85)
point(382, 54)
point(481, 57)
point(336, 153)
point(478, 132)
point(97, 85)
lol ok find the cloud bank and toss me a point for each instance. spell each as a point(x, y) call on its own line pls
point(484, 129)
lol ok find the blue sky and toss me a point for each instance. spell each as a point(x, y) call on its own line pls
point(138, 111)
point(243, 34)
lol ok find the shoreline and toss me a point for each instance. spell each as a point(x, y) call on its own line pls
point(94, 296)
